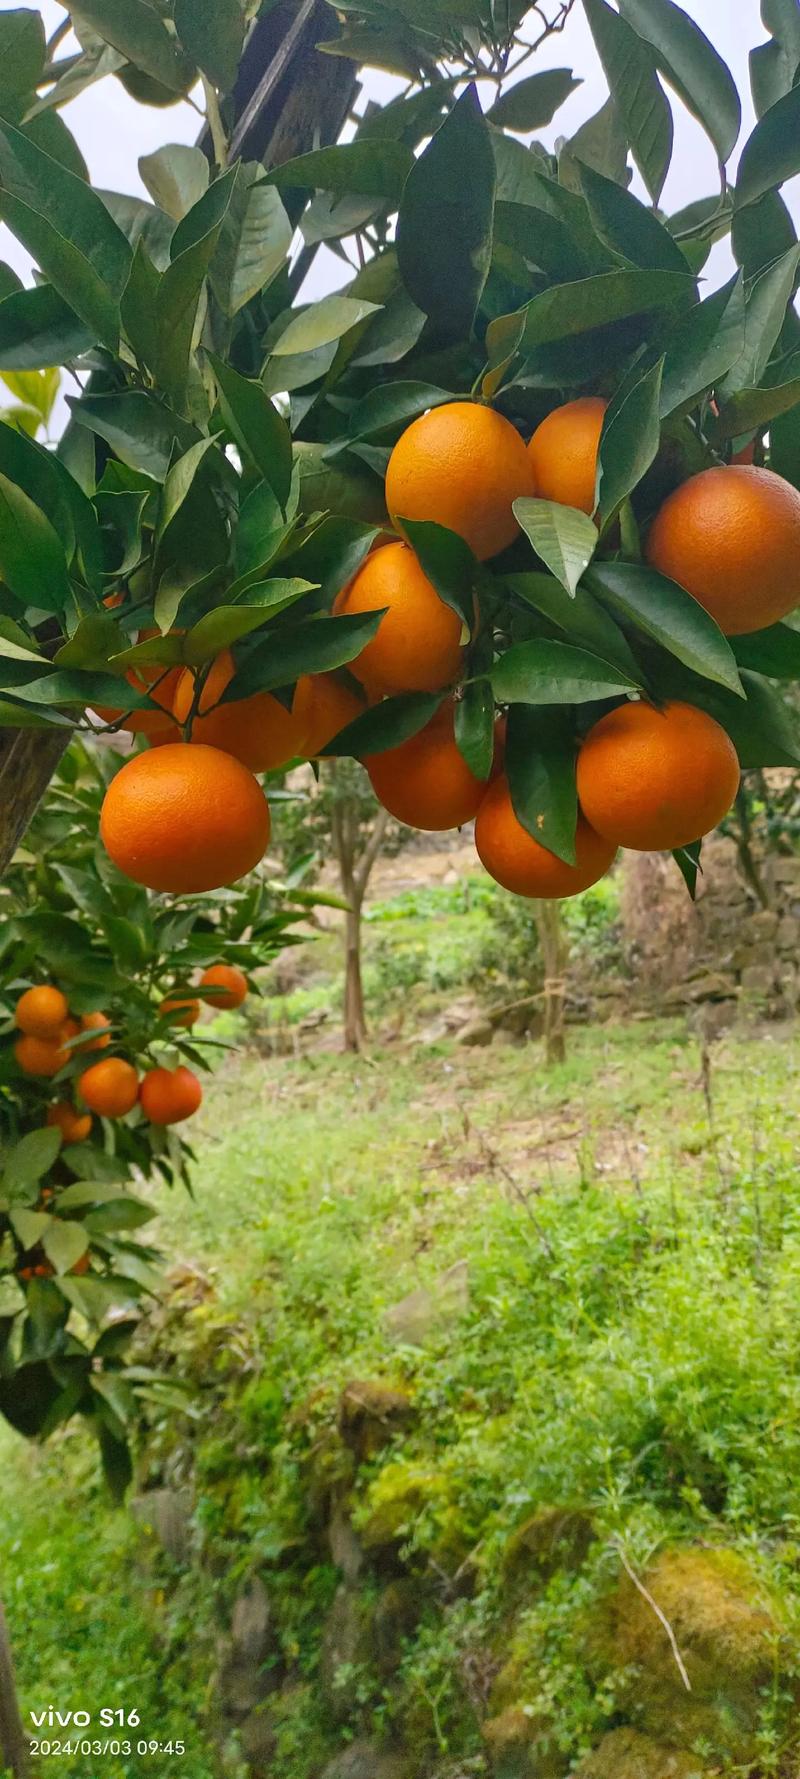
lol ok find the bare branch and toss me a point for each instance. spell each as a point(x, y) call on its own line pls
point(653, 1604)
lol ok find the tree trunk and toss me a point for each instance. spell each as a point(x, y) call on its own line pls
point(355, 1020)
point(13, 1741)
point(554, 953)
point(355, 870)
point(28, 759)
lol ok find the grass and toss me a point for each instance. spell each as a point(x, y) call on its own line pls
point(630, 1346)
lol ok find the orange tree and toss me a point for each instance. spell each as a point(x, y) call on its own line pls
point(589, 465)
point(100, 990)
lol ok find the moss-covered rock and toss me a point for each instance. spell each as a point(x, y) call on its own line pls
point(396, 1498)
point(346, 1654)
point(624, 1754)
point(368, 1760)
point(371, 1414)
point(395, 1616)
point(551, 1538)
point(518, 1747)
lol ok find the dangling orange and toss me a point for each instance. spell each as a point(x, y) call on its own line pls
point(160, 683)
point(322, 706)
point(40, 1056)
point(98, 1023)
point(731, 537)
point(167, 1096)
point(517, 861)
point(563, 453)
point(654, 779)
point(180, 1010)
point(463, 466)
point(74, 1126)
point(257, 730)
point(110, 1088)
point(224, 986)
point(185, 819)
point(426, 781)
point(417, 646)
point(40, 1012)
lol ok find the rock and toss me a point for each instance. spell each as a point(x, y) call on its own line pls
point(624, 1754)
point(258, 1743)
point(368, 1760)
point(758, 979)
point(412, 1319)
point(785, 870)
point(762, 926)
point(789, 935)
point(248, 1668)
point(251, 1624)
point(346, 1549)
point(371, 1413)
point(477, 1034)
point(167, 1513)
point(552, 1538)
point(517, 1745)
point(712, 1018)
point(394, 1617)
point(346, 1652)
point(395, 1500)
point(711, 986)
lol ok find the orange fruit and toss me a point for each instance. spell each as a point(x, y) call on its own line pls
point(563, 453)
point(224, 986)
point(731, 537)
point(417, 646)
point(40, 1056)
point(656, 779)
point(161, 684)
point(180, 1009)
point(167, 1096)
point(185, 819)
point(462, 465)
point(426, 781)
point(518, 862)
point(322, 706)
point(95, 1022)
point(74, 1126)
point(82, 1266)
point(69, 1030)
point(110, 1087)
point(41, 1011)
point(257, 730)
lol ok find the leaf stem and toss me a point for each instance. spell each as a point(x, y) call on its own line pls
point(215, 124)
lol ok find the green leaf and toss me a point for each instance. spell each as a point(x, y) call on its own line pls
point(774, 651)
point(532, 103)
point(332, 554)
point(752, 408)
point(253, 245)
point(600, 143)
point(177, 487)
point(444, 228)
point(257, 428)
point(30, 1159)
point(563, 537)
point(10, 284)
point(772, 154)
point(631, 72)
point(687, 859)
point(544, 672)
point(32, 561)
point(582, 619)
point(212, 33)
point(28, 1226)
point(629, 441)
point(194, 244)
point(626, 226)
point(142, 430)
point(22, 57)
point(229, 623)
point(139, 306)
point(692, 66)
point(64, 1244)
point(89, 266)
point(540, 766)
point(702, 347)
point(448, 563)
point(764, 730)
point(393, 405)
point(386, 725)
point(766, 303)
point(474, 727)
point(323, 322)
point(137, 32)
point(762, 232)
point(666, 612)
point(176, 177)
point(579, 306)
point(377, 169)
point(315, 646)
point(116, 1461)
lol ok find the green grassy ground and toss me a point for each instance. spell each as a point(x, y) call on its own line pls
point(630, 1344)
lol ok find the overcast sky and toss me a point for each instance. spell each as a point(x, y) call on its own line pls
point(113, 131)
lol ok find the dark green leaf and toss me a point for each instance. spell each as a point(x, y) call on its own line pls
point(702, 347)
point(577, 307)
point(257, 428)
point(540, 765)
point(142, 430)
point(229, 623)
point(692, 66)
point(386, 725)
point(631, 71)
point(444, 229)
point(668, 614)
point(687, 859)
point(582, 619)
point(474, 727)
point(212, 33)
point(194, 244)
point(332, 554)
point(392, 405)
point(626, 225)
point(772, 154)
point(32, 561)
point(762, 232)
point(316, 646)
point(22, 56)
point(629, 441)
point(544, 672)
point(447, 561)
point(564, 538)
point(751, 408)
point(137, 32)
point(10, 284)
point(774, 651)
point(765, 312)
point(600, 143)
point(254, 242)
point(116, 1460)
point(378, 169)
point(532, 103)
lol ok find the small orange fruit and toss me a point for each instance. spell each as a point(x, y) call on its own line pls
point(426, 781)
point(167, 1096)
point(95, 1022)
point(654, 779)
point(82, 1266)
point(224, 986)
point(110, 1087)
point(74, 1126)
point(463, 466)
point(322, 706)
point(563, 453)
point(517, 861)
point(180, 1009)
point(731, 537)
point(40, 1056)
point(69, 1030)
point(417, 646)
point(257, 730)
point(40, 1012)
point(185, 819)
point(161, 684)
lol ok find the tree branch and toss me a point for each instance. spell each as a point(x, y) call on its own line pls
point(363, 871)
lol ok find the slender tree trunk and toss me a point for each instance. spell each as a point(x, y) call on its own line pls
point(355, 869)
point(552, 939)
point(13, 1741)
point(355, 1019)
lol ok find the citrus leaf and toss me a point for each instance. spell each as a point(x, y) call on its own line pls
point(32, 561)
point(322, 323)
point(692, 66)
point(772, 154)
point(444, 228)
point(668, 614)
point(136, 32)
point(532, 103)
point(630, 69)
point(586, 303)
point(386, 725)
point(212, 33)
point(448, 562)
point(626, 226)
point(253, 245)
point(545, 672)
point(563, 537)
point(474, 727)
point(540, 766)
point(176, 177)
point(702, 347)
point(64, 1244)
point(30, 1159)
point(766, 301)
point(378, 169)
point(629, 441)
point(687, 859)
point(582, 619)
point(315, 646)
point(257, 427)
point(774, 651)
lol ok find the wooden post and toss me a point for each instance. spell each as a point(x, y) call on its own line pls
point(13, 1741)
point(28, 759)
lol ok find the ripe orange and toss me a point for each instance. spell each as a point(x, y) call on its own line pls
point(656, 779)
point(82, 1266)
point(426, 781)
point(517, 861)
point(74, 1126)
point(731, 537)
point(40, 1056)
point(257, 730)
point(95, 1022)
point(161, 684)
point(185, 819)
point(563, 453)
point(41, 1011)
point(417, 646)
point(167, 1096)
point(180, 1009)
point(322, 706)
point(110, 1087)
point(462, 465)
point(224, 986)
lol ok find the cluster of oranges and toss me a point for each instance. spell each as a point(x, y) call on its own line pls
point(189, 814)
point(111, 1087)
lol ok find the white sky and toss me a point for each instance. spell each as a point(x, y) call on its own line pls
point(113, 131)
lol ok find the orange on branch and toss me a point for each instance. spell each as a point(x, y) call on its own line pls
point(654, 779)
point(40, 1056)
point(462, 465)
point(417, 646)
point(167, 1096)
point(222, 985)
point(563, 453)
point(731, 537)
point(161, 684)
point(426, 781)
point(40, 1012)
point(97, 1023)
point(520, 864)
point(110, 1088)
point(258, 730)
point(185, 819)
point(74, 1126)
point(180, 1010)
point(322, 706)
